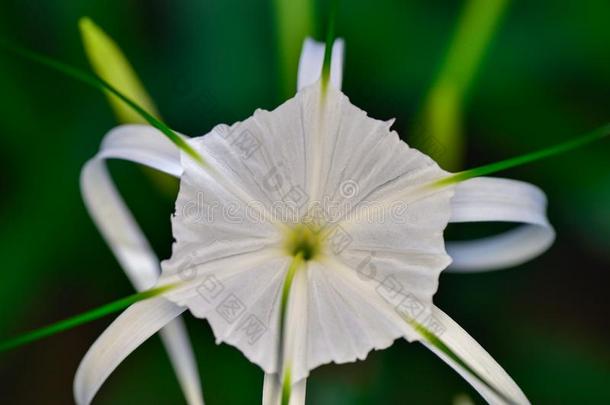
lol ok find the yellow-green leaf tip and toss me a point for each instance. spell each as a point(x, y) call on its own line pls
point(110, 64)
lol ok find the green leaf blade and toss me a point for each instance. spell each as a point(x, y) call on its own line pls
point(110, 64)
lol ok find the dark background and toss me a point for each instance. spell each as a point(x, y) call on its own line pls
point(545, 78)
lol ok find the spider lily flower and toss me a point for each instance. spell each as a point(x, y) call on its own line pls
point(259, 255)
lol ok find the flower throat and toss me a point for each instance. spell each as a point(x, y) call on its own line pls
point(303, 240)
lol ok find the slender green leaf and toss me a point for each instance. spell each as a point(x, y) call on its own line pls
point(294, 22)
point(438, 130)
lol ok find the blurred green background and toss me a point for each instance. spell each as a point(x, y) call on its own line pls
point(544, 78)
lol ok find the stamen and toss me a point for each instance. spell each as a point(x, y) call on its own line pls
point(100, 84)
point(286, 387)
point(283, 365)
point(296, 263)
point(81, 319)
point(330, 38)
point(583, 140)
point(434, 340)
point(418, 192)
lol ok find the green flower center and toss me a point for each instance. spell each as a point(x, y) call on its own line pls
point(303, 240)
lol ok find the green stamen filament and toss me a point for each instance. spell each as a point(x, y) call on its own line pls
point(330, 38)
point(100, 84)
point(583, 140)
point(286, 387)
point(81, 319)
point(434, 340)
point(296, 263)
point(284, 367)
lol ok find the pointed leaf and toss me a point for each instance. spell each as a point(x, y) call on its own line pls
point(109, 63)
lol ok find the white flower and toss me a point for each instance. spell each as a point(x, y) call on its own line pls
point(313, 236)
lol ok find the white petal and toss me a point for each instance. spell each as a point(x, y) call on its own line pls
point(211, 220)
point(302, 155)
point(142, 144)
point(492, 382)
point(124, 335)
point(348, 316)
point(272, 389)
point(337, 155)
point(312, 59)
point(177, 343)
point(297, 395)
point(362, 162)
point(405, 244)
point(376, 302)
point(494, 199)
point(108, 210)
point(147, 146)
point(239, 295)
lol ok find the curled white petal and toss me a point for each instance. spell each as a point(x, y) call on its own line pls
point(147, 146)
point(144, 145)
point(312, 59)
point(175, 338)
point(297, 395)
point(491, 381)
point(123, 336)
point(494, 199)
point(272, 391)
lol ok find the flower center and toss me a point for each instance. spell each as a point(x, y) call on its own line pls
point(301, 239)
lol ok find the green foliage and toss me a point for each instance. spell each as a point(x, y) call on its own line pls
point(109, 63)
point(545, 79)
point(441, 118)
